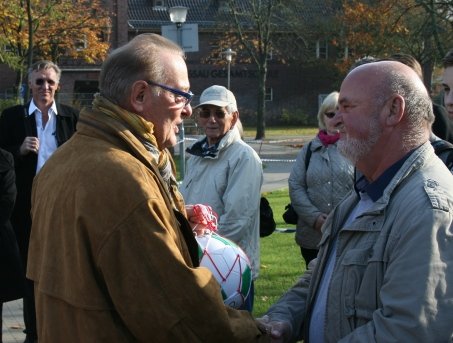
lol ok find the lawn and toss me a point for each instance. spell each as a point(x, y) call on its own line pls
point(281, 261)
point(281, 131)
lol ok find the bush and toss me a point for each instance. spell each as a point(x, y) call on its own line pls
point(5, 103)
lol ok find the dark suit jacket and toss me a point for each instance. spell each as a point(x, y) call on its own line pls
point(15, 125)
point(442, 126)
point(12, 277)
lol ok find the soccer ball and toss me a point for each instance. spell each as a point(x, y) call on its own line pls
point(229, 265)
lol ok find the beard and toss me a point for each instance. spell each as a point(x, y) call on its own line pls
point(356, 148)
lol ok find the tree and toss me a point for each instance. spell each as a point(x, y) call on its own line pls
point(32, 29)
point(253, 23)
point(422, 28)
point(258, 28)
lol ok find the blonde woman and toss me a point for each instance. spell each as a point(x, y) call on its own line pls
point(318, 182)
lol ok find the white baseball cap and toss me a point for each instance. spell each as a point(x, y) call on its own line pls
point(217, 96)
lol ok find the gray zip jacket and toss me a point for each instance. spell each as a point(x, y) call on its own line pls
point(393, 274)
point(230, 182)
point(318, 188)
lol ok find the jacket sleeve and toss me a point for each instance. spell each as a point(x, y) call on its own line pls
point(416, 294)
point(291, 307)
point(298, 190)
point(245, 178)
point(158, 296)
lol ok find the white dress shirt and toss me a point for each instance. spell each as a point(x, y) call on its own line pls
point(46, 133)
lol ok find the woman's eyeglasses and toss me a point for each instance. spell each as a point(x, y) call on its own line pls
point(206, 113)
point(329, 114)
point(180, 96)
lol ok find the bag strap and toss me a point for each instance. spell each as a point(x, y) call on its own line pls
point(308, 156)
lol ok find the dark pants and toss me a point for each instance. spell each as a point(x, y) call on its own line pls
point(248, 304)
point(308, 254)
point(30, 312)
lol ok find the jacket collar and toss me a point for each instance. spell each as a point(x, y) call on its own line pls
point(201, 149)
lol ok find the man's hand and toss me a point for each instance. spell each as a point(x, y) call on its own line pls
point(30, 144)
point(279, 332)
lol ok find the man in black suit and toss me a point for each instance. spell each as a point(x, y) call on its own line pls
point(32, 132)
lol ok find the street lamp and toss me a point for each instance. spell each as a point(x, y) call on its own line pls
point(178, 16)
point(229, 56)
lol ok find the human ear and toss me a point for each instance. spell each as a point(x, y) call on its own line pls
point(138, 95)
point(235, 115)
point(395, 114)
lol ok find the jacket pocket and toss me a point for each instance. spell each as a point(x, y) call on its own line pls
point(360, 285)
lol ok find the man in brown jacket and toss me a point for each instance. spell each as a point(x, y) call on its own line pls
point(111, 254)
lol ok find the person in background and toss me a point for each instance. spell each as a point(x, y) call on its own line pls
point(447, 83)
point(442, 147)
point(112, 254)
point(443, 125)
point(12, 277)
point(319, 181)
point(226, 173)
point(32, 133)
point(386, 257)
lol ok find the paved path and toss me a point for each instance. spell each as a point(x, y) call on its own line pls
point(13, 322)
point(278, 157)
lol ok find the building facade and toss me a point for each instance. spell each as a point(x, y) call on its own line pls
point(292, 90)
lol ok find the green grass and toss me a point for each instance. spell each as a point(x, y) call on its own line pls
point(281, 261)
point(281, 131)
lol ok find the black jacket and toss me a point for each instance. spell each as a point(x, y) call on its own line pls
point(15, 125)
point(12, 276)
point(442, 126)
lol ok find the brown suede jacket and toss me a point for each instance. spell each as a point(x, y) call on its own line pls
point(110, 259)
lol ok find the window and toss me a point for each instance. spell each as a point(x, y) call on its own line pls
point(159, 5)
point(321, 49)
point(81, 44)
point(269, 96)
point(224, 7)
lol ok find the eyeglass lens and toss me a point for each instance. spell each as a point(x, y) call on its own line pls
point(180, 97)
point(206, 113)
point(40, 82)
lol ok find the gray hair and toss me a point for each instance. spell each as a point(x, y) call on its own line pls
point(44, 65)
point(418, 104)
point(139, 59)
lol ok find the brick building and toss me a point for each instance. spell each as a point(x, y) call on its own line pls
point(291, 90)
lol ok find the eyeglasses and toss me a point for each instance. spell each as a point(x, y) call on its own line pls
point(329, 114)
point(40, 82)
point(206, 113)
point(180, 96)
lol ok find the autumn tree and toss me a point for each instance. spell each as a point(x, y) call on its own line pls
point(255, 29)
point(33, 29)
point(422, 28)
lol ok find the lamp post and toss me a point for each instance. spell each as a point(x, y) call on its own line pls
point(178, 16)
point(229, 56)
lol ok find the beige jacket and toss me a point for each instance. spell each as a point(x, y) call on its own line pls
point(109, 259)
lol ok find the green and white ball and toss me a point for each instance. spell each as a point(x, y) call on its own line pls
point(229, 265)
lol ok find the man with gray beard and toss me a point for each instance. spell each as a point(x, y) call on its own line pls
point(385, 260)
